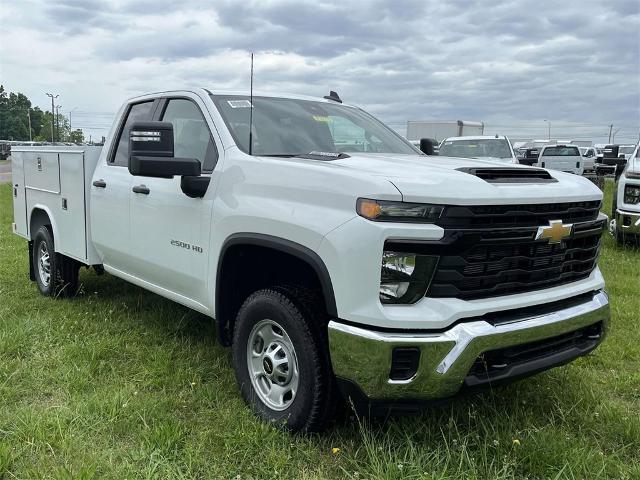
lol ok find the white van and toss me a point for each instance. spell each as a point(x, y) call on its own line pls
point(565, 158)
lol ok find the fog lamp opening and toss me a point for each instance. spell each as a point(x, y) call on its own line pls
point(405, 277)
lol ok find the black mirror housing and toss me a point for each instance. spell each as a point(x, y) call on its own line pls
point(427, 146)
point(151, 139)
point(151, 152)
point(164, 167)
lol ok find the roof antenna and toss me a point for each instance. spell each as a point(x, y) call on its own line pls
point(251, 110)
point(333, 96)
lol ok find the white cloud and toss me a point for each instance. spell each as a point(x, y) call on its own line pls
point(518, 61)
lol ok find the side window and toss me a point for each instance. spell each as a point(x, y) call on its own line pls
point(137, 112)
point(191, 135)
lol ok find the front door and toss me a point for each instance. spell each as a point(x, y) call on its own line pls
point(170, 231)
point(110, 195)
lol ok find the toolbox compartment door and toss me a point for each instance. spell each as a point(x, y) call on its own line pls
point(19, 197)
point(42, 171)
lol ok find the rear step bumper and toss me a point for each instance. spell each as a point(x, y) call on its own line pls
point(401, 367)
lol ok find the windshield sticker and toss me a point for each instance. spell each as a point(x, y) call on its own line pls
point(239, 103)
point(319, 118)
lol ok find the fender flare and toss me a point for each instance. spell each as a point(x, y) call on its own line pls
point(286, 246)
point(46, 210)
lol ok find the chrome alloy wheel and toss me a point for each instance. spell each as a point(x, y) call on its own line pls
point(272, 364)
point(44, 264)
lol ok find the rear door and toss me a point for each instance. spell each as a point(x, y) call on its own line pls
point(110, 194)
point(170, 231)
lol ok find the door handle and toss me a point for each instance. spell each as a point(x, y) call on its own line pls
point(141, 189)
point(100, 183)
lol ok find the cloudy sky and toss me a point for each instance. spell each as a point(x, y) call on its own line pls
point(512, 64)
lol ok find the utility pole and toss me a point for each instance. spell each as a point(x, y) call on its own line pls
point(58, 107)
point(610, 128)
point(53, 97)
point(29, 117)
point(613, 138)
point(549, 126)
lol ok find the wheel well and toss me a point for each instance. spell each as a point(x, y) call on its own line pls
point(38, 218)
point(248, 265)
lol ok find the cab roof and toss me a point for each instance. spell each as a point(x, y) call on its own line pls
point(256, 93)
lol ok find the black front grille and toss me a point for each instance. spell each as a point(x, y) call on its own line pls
point(489, 251)
point(486, 265)
point(518, 215)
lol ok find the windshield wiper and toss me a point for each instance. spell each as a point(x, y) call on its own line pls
point(279, 155)
point(315, 155)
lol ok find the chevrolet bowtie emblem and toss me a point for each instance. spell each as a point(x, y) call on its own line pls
point(555, 232)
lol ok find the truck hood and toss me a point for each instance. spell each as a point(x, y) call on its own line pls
point(436, 179)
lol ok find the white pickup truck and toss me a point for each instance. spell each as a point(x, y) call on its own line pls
point(565, 158)
point(336, 259)
point(625, 215)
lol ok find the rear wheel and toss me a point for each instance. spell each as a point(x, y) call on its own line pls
point(56, 275)
point(281, 361)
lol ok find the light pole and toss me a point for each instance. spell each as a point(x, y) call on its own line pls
point(53, 97)
point(549, 129)
point(58, 107)
point(70, 127)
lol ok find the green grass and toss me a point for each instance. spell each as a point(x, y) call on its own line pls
point(120, 383)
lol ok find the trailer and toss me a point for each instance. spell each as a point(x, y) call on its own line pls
point(441, 130)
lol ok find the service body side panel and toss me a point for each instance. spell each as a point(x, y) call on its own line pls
point(55, 181)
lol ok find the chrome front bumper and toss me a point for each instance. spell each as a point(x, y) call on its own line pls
point(363, 357)
point(628, 222)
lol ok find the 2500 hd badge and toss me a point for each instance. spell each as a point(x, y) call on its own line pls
point(188, 246)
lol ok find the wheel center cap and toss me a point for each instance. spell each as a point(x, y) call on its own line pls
point(267, 365)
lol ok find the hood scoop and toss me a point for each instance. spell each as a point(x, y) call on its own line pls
point(510, 175)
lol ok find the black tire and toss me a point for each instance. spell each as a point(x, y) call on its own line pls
point(313, 407)
point(614, 202)
point(63, 271)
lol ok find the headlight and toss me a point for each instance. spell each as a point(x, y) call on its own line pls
point(387, 211)
point(632, 194)
point(405, 277)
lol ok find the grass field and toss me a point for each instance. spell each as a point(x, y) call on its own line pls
point(120, 383)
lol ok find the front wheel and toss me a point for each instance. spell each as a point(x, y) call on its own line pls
point(281, 361)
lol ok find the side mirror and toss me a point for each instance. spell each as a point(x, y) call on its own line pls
point(527, 161)
point(151, 152)
point(427, 146)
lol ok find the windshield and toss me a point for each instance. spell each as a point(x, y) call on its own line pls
point(489, 147)
point(561, 152)
point(289, 127)
point(626, 150)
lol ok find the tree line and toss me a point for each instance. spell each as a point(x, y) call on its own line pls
point(17, 116)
